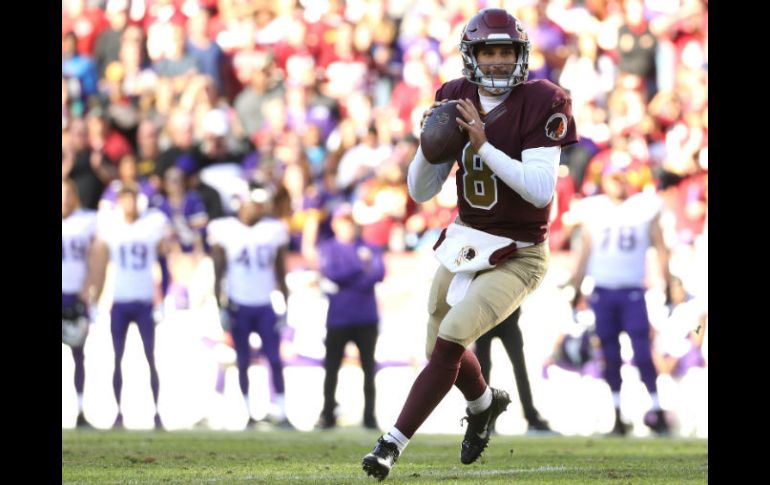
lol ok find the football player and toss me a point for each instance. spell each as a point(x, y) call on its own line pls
point(616, 232)
point(77, 231)
point(251, 250)
point(132, 242)
point(495, 253)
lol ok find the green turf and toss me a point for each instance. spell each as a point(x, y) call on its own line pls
point(278, 457)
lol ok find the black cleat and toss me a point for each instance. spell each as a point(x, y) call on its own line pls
point(480, 427)
point(656, 421)
point(378, 463)
point(370, 423)
point(620, 428)
point(252, 424)
point(538, 425)
point(82, 423)
point(157, 423)
point(118, 423)
point(326, 422)
point(283, 423)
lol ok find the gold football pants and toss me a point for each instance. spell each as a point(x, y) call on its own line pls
point(491, 297)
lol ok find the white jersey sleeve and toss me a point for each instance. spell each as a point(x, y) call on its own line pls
point(77, 233)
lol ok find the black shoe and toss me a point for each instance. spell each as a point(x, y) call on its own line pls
point(82, 423)
point(538, 425)
point(370, 423)
point(620, 428)
point(326, 422)
point(157, 423)
point(378, 463)
point(480, 427)
point(283, 424)
point(118, 423)
point(656, 421)
point(251, 424)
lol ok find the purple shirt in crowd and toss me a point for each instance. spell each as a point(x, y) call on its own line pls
point(189, 220)
point(354, 303)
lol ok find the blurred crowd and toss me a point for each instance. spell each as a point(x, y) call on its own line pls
point(321, 100)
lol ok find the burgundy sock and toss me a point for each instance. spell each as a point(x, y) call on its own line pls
point(431, 386)
point(469, 380)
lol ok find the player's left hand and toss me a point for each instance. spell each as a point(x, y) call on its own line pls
point(472, 123)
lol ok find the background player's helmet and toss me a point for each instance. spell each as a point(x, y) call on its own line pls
point(494, 26)
point(74, 325)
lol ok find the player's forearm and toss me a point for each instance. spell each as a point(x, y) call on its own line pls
point(96, 286)
point(98, 257)
point(218, 258)
point(280, 273)
point(534, 178)
point(424, 179)
point(656, 236)
point(582, 264)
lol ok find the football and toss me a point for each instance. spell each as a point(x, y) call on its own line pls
point(441, 137)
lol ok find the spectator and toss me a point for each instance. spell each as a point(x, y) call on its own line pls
point(353, 267)
point(78, 66)
point(88, 168)
point(108, 43)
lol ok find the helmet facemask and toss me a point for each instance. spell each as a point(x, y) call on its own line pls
point(495, 84)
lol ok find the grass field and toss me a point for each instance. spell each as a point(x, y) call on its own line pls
point(278, 457)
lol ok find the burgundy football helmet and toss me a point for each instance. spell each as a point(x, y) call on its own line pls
point(494, 26)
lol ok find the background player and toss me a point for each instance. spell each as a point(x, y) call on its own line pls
point(617, 230)
point(77, 231)
point(131, 241)
point(251, 250)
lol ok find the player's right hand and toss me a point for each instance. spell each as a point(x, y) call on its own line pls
point(430, 109)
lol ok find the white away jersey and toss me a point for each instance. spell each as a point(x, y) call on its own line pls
point(77, 232)
point(251, 253)
point(620, 237)
point(133, 251)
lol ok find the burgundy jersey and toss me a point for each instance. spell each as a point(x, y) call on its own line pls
point(536, 114)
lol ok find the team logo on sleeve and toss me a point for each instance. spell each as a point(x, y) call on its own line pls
point(556, 126)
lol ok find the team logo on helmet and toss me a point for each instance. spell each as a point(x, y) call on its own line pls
point(556, 126)
point(467, 253)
